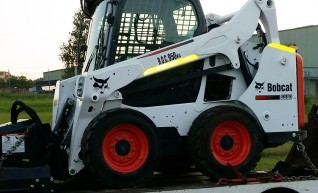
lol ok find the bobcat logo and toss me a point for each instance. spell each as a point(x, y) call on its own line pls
point(259, 86)
point(101, 84)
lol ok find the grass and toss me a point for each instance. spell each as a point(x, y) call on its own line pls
point(42, 104)
point(271, 156)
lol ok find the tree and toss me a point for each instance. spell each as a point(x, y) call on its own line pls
point(16, 82)
point(3, 83)
point(69, 49)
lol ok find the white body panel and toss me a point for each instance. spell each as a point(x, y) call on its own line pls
point(279, 80)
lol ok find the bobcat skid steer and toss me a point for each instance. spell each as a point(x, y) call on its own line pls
point(164, 87)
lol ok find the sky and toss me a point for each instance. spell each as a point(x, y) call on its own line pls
point(32, 31)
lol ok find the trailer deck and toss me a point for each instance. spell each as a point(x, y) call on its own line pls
point(189, 183)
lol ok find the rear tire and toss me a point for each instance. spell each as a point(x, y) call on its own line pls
point(225, 136)
point(120, 148)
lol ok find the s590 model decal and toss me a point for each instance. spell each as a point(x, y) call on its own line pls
point(286, 97)
point(168, 57)
point(274, 97)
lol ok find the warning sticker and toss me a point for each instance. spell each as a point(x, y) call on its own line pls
point(8, 140)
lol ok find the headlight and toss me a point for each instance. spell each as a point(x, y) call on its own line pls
point(80, 86)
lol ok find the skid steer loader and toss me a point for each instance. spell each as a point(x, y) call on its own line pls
point(164, 87)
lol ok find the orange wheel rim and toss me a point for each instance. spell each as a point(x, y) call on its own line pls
point(125, 148)
point(230, 143)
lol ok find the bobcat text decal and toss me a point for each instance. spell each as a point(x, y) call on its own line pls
point(274, 88)
point(279, 87)
point(100, 84)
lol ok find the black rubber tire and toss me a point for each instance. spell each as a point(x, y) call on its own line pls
point(208, 126)
point(279, 190)
point(96, 150)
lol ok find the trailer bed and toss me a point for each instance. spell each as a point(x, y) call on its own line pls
point(190, 183)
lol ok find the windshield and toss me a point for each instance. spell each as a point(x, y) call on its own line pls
point(147, 25)
point(98, 37)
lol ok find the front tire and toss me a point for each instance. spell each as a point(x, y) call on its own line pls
point(225, 136)
point(120, 148)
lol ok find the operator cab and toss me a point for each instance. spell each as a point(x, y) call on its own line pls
point(124, 29)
